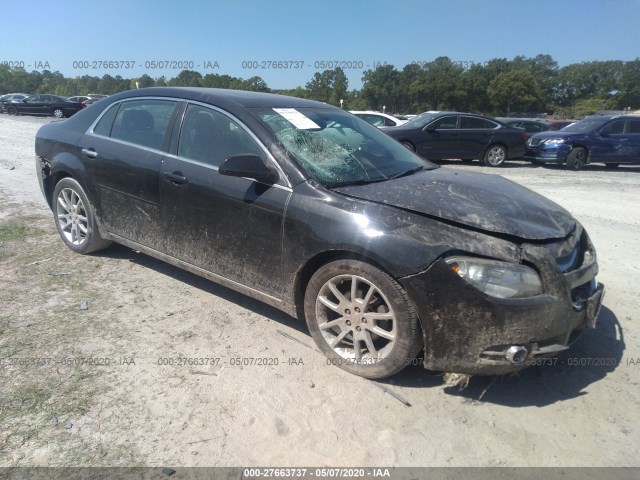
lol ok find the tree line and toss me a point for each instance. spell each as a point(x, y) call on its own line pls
point(496, 87)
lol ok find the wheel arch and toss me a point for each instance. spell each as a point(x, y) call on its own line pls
point(304, 273)
point(493, 143)
point(65, 165)
point(586, 148)
point(410, 142)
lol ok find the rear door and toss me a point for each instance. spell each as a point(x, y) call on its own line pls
point(226, 225)
point(474, 136)
point(123, 153)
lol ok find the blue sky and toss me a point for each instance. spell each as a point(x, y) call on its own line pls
point(232, 32)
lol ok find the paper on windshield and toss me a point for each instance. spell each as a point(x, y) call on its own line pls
point(298, 119)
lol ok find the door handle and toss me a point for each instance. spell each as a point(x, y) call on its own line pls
point(89, 152)
point(176, 177)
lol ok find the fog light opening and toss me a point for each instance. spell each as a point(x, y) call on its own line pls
point(516, 354)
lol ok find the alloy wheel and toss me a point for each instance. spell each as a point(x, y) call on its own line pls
point(72, 216)
point(356, 319)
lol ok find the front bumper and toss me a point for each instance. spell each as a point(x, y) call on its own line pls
point(467, 331)
point(548, 153)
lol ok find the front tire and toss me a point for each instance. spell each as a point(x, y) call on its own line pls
point(577, 158)
point(58, 113)
point(12, 110)
point(409, 146)
point(75, 218)
point(495, 156)
point(361, 319)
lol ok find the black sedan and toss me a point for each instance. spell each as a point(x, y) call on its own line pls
point(44, 104)
point(444, 135)
point(529, 125)
point(317, 213)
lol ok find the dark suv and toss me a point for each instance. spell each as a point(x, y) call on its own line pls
point(607, 139)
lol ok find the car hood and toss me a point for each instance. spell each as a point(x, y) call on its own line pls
point(552, 134)
point(398, 128)
point(489, 203)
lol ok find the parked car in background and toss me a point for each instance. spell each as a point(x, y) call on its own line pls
point(79, 98)
point(10, 97)
point(612, 140)
point(91, 101)
point(529, 125)
point(378, 119)
point(559, 124)
point(444, 135)
point(44, 104)
point(312, 210)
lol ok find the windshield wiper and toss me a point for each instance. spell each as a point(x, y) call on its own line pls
point(408, 172)
point(361, 181)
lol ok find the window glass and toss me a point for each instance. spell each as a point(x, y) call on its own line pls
point(103, 127)
point(445, 123)
point(531, 127)
point(634, 126)
point(613, 128)
point(143, 122)
point(374, 120)
point(389, 123)
point(209, 136)
point(473, 122)
point(336, 148)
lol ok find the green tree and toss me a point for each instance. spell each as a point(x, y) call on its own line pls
point(329, 86)
point(515, 88)
point(440, 85)
point(380, 88)
point(186, 78)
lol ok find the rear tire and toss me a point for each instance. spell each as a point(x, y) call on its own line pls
point(612, 165)
point(577, 158)
point(495, 156)
point(361, 319)
point(58, 113)
point(75, 218)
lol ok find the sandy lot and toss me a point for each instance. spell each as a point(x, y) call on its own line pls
point(85, 343)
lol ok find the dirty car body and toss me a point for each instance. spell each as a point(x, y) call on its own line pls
point(319, 214)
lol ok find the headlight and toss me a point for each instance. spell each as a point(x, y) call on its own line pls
point(555, 141)
point(498, 279)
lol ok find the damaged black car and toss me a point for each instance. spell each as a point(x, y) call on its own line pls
point(314, 211)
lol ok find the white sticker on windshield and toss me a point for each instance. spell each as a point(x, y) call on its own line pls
point(298, 119)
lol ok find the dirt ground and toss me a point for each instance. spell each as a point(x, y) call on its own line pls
point(86, 344)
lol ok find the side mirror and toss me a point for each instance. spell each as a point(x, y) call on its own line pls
point(602, 134)
point(250, 166)
point(429, 129)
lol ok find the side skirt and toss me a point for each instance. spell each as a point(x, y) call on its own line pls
point(233, 285)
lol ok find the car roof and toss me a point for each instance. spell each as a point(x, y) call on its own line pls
point(521, 119)
point(369, 111)
point(222, 97)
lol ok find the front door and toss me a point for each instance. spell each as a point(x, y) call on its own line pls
point(226, 225)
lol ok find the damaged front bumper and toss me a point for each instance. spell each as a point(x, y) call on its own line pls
point(467, 331)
